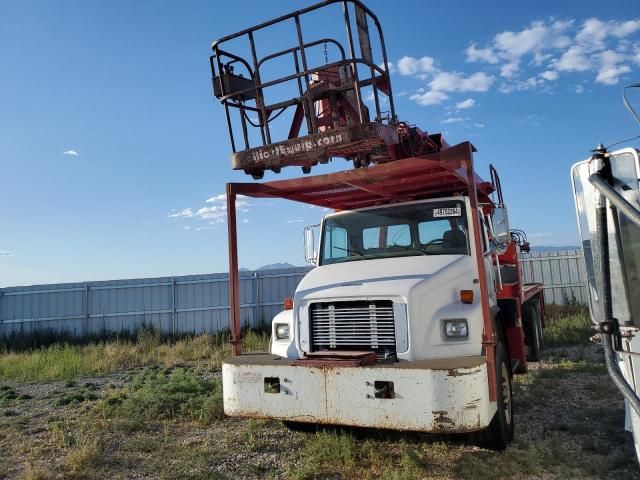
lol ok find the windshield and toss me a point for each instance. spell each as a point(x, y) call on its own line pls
point(434, 228)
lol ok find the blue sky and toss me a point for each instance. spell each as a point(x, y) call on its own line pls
point(111, 142)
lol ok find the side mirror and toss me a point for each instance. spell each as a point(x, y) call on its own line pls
point(310, 250)
point(500, 221)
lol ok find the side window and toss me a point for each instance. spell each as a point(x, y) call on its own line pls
point(432, 230)
point(484, 235)
point(336, 243)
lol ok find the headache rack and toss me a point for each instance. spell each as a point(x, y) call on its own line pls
point(338, 92)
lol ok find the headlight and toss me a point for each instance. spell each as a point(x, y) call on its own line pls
point(282, 331)
point(455, 329)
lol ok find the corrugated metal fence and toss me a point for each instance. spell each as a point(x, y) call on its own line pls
point(174, 305)
point(199, 303)
point(562, 274)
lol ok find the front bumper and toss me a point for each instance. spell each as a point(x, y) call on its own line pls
point(442, 395)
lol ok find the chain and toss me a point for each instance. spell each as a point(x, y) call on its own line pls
point(326, 57)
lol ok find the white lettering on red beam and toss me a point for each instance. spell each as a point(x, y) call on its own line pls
point(302, 146)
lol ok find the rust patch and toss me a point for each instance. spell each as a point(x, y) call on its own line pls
point(441, 421)
point(327, 360)
point(472, 405)
point(454, 372)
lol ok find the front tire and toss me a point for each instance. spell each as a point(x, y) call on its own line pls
point(499, 433)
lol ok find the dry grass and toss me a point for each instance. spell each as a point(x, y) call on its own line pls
point(64, 361)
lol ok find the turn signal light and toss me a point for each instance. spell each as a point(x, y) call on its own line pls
point(466, 296)
point(288, 303)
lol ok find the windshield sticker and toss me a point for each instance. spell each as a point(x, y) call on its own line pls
point(447, 212)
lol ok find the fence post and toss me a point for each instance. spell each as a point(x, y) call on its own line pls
point(87, 310)
point(256, 298)
point(174, 307)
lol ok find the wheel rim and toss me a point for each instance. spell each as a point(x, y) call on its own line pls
point(506, 393)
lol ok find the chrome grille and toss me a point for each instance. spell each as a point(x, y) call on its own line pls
point(355, 325)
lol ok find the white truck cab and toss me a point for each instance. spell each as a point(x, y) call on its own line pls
point(403, 265)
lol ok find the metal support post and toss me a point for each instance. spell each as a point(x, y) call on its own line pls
point(234, 281)
point(489, 336)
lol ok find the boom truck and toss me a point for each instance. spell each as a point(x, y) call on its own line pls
point(606, 189)
point(416, 314)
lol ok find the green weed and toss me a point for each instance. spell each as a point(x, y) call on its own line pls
point(158, 394)
point(568, 325)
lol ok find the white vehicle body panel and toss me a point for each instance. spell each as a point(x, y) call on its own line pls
point(429, 398)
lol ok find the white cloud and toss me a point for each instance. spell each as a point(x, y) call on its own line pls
point(509, 70)
point(610, 75)
point(468, 103)
point(222, 197)
point(245, 220)
point(479, 125)
point(457, 82)
point(610, 68)
point(520, 85)
point(453, 120)
point(6, 254)
point(431, 97)
point(184, 213)
point(295, 220)
point(515, 44)
point(579, 89)
point(72, 153)
point(487, 55)
point(215, 213)
point(573, 60)
point(558, 47)
point(444, 82)
point(242, 201)
point(392, 67)
point(550, 75)
point(624, 29)
point(209, 213)
point(187, 227)
point(412, 66)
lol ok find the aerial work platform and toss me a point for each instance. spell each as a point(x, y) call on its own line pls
point(340, 90)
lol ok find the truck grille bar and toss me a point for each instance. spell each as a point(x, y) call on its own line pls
point(354, 325)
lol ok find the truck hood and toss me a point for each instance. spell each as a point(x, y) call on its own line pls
point(370, 278)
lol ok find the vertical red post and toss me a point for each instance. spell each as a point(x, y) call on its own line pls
point(234, 281)
point(489, 336)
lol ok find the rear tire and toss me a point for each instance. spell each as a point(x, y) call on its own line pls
point(533, 338)
point(499, 433)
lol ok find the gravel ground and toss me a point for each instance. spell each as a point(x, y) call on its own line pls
point(569, 425)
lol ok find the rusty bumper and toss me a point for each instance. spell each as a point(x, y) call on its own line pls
point(428, 396)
